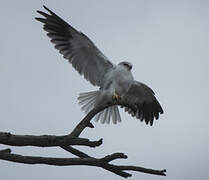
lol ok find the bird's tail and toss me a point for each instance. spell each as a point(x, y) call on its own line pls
point(87, 101)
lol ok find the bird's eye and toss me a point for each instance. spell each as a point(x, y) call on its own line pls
point(128, 66)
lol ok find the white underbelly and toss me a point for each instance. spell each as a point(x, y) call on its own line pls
point(122, 82)
point(118, 81)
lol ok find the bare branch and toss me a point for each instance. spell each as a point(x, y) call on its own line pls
point(86, 120)
point(114, 156)
point(90, 161)
point(45, 140)
point(75, 151)
point(48, 160)
point(6, 150)
point(143, 170)
point(105, 165)
point(66, 142)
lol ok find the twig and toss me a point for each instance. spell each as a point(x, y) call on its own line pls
point(143, 170)
point(75, 152)
point(5, 150)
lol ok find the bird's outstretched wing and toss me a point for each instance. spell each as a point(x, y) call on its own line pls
point(81, 52)
point(142, 103)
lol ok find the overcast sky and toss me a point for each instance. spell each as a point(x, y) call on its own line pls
point(168, 45)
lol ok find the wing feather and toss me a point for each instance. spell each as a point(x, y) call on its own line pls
point(142, 103)
point(75, 46)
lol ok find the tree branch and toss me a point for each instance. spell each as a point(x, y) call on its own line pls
point(142, 169)
point(5, 150)
point(7, 138)
point(90, 161)
point(105, 166)
point(86, 120)
point(76, 152)
point(66, 142)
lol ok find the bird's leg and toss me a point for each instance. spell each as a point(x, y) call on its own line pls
point(115, 96)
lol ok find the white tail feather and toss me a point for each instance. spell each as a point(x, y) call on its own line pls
point(114, 117)
point(118, 114)
point(98, 116)
point(89, 105)
point(84, 100)
point(103, 119)
point(87, 101)
point(88, 93)
point(109, 115)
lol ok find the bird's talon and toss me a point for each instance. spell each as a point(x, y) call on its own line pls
point(116, 97)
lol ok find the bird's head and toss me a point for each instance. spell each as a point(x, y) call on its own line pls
point(126, 64)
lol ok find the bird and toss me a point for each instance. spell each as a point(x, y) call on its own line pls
point(115, 82)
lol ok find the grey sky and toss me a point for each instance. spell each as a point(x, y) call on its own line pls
point(168, 44)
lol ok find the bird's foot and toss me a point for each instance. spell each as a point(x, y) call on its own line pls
point(116, 97)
